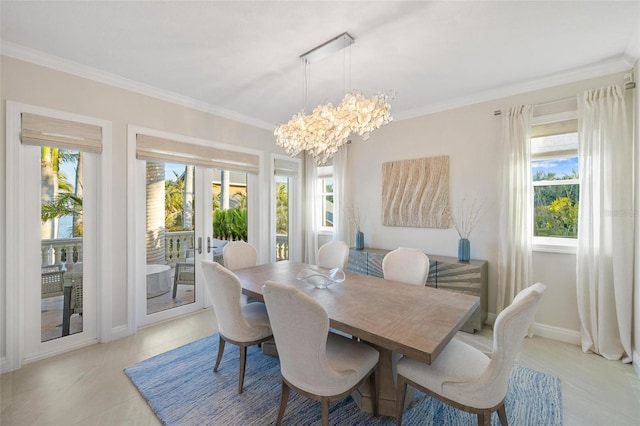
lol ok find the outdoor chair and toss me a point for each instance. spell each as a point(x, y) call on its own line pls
point(73, 299)
point(184, 274)
point(52, 284)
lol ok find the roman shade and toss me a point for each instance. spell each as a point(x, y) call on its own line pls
point(543, 146)
point(152, 148)
point(285, 167)
point(556, 128)
point(39, 130)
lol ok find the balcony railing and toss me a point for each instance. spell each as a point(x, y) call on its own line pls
point(282, 247)
point(178, 247)
point(67, 252)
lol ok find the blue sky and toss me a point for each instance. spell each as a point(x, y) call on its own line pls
point(559, 166)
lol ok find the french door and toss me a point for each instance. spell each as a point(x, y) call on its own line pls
point(56, 186)
point(190, 196)
point(175, 224)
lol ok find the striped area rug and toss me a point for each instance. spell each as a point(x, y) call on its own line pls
point(181, 388)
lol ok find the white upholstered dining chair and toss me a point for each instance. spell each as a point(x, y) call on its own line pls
point(239, 255)
point(465, 377)
point(313, 362)
point(333, 254)
point(240, 324)
point(408, 265)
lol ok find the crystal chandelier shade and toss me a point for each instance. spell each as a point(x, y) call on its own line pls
point(327, 128)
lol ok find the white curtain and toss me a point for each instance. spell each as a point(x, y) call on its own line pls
point(340, 219)
point(311, 209)
point(516, 207)
point(605, 224)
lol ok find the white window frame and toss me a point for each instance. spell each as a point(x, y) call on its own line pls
point(324, 173)
point(554, 244)
point(295, 210)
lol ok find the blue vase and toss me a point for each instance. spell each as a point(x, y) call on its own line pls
point(464, 250)
point(359, 240)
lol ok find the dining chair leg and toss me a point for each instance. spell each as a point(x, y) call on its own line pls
point(325, 411)
point(221, 343)
point(502, 413)
point(284, 397)
point(243, 362)
point(484, 418)
point(401, 390)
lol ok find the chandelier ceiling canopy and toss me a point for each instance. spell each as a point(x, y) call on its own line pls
point(322, 132)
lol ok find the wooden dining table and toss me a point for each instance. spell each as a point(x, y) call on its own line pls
point(394, 317)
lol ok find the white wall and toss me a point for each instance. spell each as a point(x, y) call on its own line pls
point(471, 137)
point(36, 85)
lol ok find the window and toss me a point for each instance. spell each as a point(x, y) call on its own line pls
point(556, 188)
point(325, 180)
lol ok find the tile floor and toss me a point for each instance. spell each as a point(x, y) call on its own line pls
point(88, 386)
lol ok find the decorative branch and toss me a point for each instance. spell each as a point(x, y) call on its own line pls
point(355, 218)
point(465, 217)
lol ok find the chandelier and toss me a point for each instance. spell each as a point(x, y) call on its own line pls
point(328, 127)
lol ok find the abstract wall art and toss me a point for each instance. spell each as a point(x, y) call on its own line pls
point(415, 193)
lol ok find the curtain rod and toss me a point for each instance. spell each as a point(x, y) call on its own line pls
point(628, 86)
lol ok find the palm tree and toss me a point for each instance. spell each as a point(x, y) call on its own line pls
point(59, 197)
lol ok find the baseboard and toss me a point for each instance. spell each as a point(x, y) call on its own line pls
point(120, 332)
point(636, 362)
point(557, 333)
point(547, 331)
point(60, 351)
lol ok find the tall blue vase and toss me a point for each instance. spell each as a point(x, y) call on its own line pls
point(464, 250)
point(359, 240)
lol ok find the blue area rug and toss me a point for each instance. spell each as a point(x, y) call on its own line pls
point(182, 389)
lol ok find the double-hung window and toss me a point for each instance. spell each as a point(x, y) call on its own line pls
point(556, 188)
point(325, 192)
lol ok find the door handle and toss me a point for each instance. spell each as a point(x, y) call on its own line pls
point(209, 246)
point(199, 245)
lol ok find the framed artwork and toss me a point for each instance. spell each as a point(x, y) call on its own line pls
point(415, 193)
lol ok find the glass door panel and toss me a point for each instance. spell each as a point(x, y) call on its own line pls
point(170, 236)
point(229, 210)
point(282, 217)
point(61, 234)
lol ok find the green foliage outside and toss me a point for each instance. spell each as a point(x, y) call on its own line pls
point(282, 208)
point(555, 206)
point(230, 224)
point(174, 203)
point(66, 202)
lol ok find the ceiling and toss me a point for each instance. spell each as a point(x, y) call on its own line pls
point(240, 59)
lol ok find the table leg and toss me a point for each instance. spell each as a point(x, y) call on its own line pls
point(386, 382)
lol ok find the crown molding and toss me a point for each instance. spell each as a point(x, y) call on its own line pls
point(619, 64)
point(37, 57)
point(612, 66)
